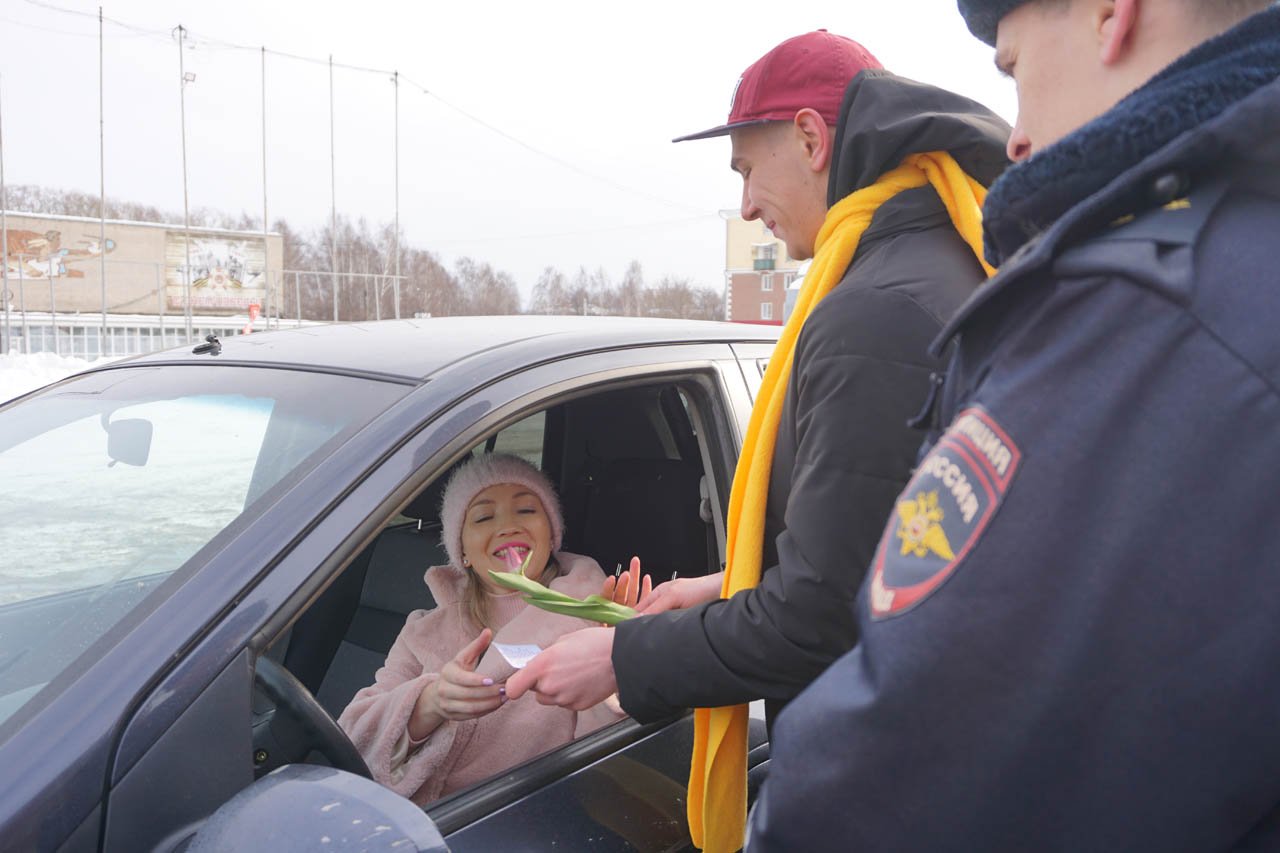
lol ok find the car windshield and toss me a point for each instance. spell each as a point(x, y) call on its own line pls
point(112, 481)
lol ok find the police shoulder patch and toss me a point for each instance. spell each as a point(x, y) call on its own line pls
point(942, 512)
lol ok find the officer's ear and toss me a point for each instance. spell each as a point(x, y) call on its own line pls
point(814, 137)
point(1115, 22)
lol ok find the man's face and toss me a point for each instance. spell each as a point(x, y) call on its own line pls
point(778, 185)
point(1051, 51)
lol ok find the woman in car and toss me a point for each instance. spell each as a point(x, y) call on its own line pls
point(436, 718)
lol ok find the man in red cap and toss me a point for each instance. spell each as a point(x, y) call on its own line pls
point(849, 165)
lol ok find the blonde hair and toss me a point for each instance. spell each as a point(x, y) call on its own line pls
point(476, 595)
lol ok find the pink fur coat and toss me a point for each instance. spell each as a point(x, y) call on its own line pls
point(458, 754)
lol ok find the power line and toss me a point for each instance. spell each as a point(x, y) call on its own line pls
point(13, 23)
point(558, 161)
point(161, 34)
point(664, 223)
point(329, 62)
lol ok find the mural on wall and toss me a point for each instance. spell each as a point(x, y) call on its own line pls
point(36, 254)
point(227, 274)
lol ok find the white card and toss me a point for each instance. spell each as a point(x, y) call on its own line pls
point(517, 654)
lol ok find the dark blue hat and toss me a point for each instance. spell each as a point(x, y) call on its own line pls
point(982, 16)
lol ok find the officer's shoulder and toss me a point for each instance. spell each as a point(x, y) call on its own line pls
point(1156, 245)
point(1168, 208)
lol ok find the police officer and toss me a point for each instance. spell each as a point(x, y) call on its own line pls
point(1070, 633)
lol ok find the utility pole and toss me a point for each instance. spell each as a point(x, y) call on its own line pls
point(4, 240)
point(333, 198)
point(396, 245)
point(186, 207)
point(266, 240)
point(102, 190)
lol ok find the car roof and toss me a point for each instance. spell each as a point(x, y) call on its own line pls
point(416, 348)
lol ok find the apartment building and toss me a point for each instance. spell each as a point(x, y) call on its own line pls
point(757, 272)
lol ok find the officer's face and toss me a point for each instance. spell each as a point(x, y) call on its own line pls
point(1051, 50)
point(780, 186)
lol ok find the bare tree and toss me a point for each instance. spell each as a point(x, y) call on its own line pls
point(708, 304)
point(551, 294)
point(430, 290)
point(486, 290)
point(591, 292)
point(366, 264)
point(676, 297)
point(631, 291)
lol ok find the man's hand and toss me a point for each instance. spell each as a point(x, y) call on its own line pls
point(681, 593)
point(574, 672)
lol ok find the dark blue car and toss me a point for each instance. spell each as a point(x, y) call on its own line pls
point(204, 554)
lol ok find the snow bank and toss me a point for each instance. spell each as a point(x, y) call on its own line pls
point(22, 373)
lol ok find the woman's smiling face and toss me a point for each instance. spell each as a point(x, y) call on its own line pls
point(502, 525)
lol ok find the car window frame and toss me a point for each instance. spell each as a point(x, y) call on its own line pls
point(715, 362)
point(709, 369)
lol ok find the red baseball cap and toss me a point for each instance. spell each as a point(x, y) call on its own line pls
point(811, 70)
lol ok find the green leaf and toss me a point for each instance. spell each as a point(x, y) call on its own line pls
point(530, 588)
point(608, 613)
point(595, 608)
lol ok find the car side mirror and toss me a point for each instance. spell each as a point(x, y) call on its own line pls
point(128, 440)
point(303, 807)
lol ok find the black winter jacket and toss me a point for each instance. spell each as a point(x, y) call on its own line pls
point(1071, 633)
point(844, 451)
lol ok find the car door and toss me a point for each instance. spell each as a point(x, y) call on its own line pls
point(189, 737)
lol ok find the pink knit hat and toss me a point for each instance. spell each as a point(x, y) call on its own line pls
point(480, 473)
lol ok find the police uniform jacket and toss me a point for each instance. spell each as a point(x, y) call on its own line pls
point(1070, 635)
point(861, 370)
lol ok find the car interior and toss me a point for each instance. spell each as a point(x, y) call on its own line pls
point(630, 468)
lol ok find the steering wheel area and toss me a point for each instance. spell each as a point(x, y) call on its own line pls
point(296, 725)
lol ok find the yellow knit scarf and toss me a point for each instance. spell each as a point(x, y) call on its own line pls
point(718, 774)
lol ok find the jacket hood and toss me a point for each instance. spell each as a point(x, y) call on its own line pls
point(885, 118)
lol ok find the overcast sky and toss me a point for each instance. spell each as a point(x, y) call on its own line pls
point(602, 87)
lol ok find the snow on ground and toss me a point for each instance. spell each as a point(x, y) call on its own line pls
point(22, 373)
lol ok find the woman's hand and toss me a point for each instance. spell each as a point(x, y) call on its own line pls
point(681, 593)
point(629, 587)
point(460, 693)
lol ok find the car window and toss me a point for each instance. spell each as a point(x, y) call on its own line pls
point(113, 481)
point(73, 493)
point(523, 439)
point(628, 471)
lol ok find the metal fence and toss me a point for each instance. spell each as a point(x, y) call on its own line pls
point(322, 296)
point(67, 316)
point(81, 335)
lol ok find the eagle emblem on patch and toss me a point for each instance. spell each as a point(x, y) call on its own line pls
point(942, 512)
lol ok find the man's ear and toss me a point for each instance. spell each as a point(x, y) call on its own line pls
point(1115, 21)
point(813, 134)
